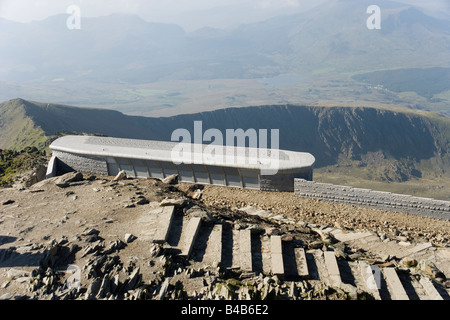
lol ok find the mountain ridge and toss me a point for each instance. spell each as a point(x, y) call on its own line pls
point(389, 146)
point(324, 120)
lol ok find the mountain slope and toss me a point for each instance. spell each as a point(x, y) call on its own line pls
point(373, 147)
point(17, 129)
point(329, 133)
point(28, 123)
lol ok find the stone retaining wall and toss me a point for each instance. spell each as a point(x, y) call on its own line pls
point(283, 181)
point(66, 162)
point(438, 209)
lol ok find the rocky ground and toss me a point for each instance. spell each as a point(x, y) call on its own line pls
point(333, 214)
point(88, 237)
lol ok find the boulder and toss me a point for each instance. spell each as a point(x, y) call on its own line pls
point(198, 212)
point(31, 177)
point(93, 289)
point(256, 229)
point(172, 179)
point(408, 262)
point(17, 273)
point(272, 231)
point(114, 246)
point(65, 180)
point(430, 269)
point(315, 245)
point(91, 231)
point(142, 200)
point(6, 296)
point(133, 280)
point(163, 290)
point(287, 237)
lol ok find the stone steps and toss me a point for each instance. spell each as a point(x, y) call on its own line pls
point(218, 245)
point(276, 252)
point(190, 235)
point(245, 250)
point(165, 217)
point(371, 278)
point(394, 284)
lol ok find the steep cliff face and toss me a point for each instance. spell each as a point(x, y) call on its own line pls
point(330, 133)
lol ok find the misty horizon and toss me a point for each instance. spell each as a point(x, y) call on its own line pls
point(167, 57)
point(190, 15)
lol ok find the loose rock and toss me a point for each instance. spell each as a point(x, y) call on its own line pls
point(172, 179)
point(129, 237)
point(408, 262)
point(65, 180)
point(173, 202)
point(120, 176)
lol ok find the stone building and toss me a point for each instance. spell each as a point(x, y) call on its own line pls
point(263, 169)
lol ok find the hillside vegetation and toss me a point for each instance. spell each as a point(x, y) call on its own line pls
point(13, 163)
point(374, 147)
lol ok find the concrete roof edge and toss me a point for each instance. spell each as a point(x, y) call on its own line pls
point(78, 145)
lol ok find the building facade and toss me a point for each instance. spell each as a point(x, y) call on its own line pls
point(158, 159)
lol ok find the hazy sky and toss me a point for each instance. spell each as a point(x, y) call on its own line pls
point(27, 10)
point(190, 14)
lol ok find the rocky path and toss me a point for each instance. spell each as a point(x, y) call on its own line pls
point(94, 238)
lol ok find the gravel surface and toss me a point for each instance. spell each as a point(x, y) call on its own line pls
point(99, 213)
point(332, 214)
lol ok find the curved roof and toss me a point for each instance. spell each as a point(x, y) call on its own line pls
point(176, 152)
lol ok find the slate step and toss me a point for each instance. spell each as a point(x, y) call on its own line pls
point(372, 280)
point(276, 251)
point(165, 217)
point(302, 264)
point(190, 235)
point(430, 289)
point(394, 284)
point(332, 268)
point(213, 252)
point(245, 250)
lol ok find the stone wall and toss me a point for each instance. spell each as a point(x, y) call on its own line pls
point(283, 182)
point(438, 209)
point(66, 162)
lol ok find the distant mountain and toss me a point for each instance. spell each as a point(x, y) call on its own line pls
point(125, 63)
point(119, 47)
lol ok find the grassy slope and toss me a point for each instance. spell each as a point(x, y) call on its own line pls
point(17, 129)
point(28, 123)
point(14, 162)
